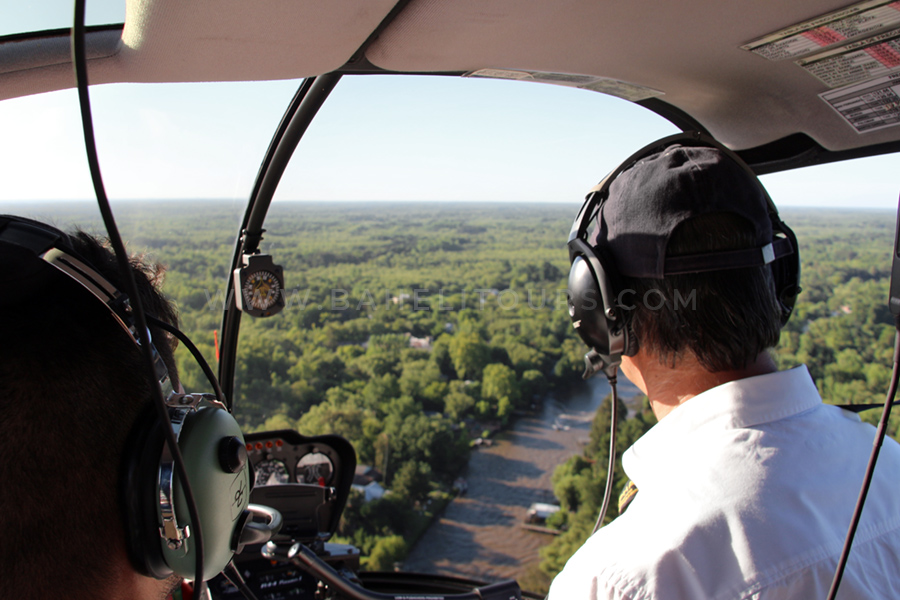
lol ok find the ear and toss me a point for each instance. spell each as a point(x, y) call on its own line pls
point(632, 368)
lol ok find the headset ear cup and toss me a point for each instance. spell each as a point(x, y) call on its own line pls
point(593, 303)
point(140, 495)
point(786, 272)
point(585, 304)
point(221, 490)
point(221, 495)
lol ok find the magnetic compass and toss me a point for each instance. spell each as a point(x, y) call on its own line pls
point(259, 284)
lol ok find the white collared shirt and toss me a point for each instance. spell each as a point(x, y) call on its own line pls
point(746, 491)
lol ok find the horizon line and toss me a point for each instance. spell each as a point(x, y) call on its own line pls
point(80, 201)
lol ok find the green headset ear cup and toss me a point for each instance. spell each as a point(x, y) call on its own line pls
point(220, 496)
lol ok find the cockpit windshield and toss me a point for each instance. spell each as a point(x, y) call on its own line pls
point(421, 227)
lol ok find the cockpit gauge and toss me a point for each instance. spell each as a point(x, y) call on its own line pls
point(259, 286)
point(315, 468)
point(307, 478)
point(272, 472)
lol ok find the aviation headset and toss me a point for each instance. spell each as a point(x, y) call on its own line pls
point(594, 284)
point(157, 522)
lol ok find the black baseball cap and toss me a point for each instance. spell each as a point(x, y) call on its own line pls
point(661, 190)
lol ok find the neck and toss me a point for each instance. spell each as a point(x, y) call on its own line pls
point(667, 387)
point(133, 586)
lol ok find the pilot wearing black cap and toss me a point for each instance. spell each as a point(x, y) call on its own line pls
point(746, 486)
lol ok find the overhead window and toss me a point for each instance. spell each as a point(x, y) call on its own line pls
point(30, 17)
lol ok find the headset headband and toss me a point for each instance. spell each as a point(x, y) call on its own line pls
point(53, 247)
point(694, 263)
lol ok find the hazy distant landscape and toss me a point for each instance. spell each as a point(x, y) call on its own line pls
point(413, 327)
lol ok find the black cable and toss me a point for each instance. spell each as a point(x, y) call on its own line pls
point(195, 352)
point(234, 578)
point(858, 408)
point(79, 61)
point(611, 467)
point(303, 108)
point(870, 470)
point(231, 316)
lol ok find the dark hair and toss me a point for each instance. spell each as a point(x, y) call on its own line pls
point(73, 384)
point(726, 319)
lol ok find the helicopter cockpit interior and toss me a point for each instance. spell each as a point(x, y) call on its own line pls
point(785, 86)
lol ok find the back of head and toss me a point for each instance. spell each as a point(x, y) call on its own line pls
point(725, 319)
point(73, 385)
point(650, 199)
point(690, 232)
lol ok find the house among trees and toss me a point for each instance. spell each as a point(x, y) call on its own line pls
point(421, 343)
point(366, 481)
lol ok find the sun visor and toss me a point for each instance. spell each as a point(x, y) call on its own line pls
point(197, 41)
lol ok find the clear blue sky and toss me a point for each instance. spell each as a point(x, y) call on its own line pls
point(378, 138)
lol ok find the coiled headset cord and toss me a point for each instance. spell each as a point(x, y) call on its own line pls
point(79, 61)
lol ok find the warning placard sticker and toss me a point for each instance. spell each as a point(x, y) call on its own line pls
point(868, 106)
point(604, 85)
point(857, 61)
point(813, 35)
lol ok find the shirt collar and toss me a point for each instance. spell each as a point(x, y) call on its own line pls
point(734, 405)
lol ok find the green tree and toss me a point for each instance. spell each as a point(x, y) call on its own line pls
point(412, 481)
point(534, 385)
point(458, 404)
point(345, 420)
point(387, 551)
point(569, 480)
point(524, 358)
point(499, 381)
point(469, 355)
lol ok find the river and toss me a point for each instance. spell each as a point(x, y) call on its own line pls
point(480, 534)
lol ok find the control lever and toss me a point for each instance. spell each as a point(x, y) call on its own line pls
point(304, 558)
point(260, 525)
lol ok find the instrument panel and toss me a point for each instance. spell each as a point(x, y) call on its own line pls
point(307, 479)
point(277, 462)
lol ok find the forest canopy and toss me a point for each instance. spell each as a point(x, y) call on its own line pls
point(412, 328)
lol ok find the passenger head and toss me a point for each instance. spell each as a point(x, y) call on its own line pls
point(692, 201)
point(72, 384)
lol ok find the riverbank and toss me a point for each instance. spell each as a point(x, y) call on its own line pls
point(480, 535)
